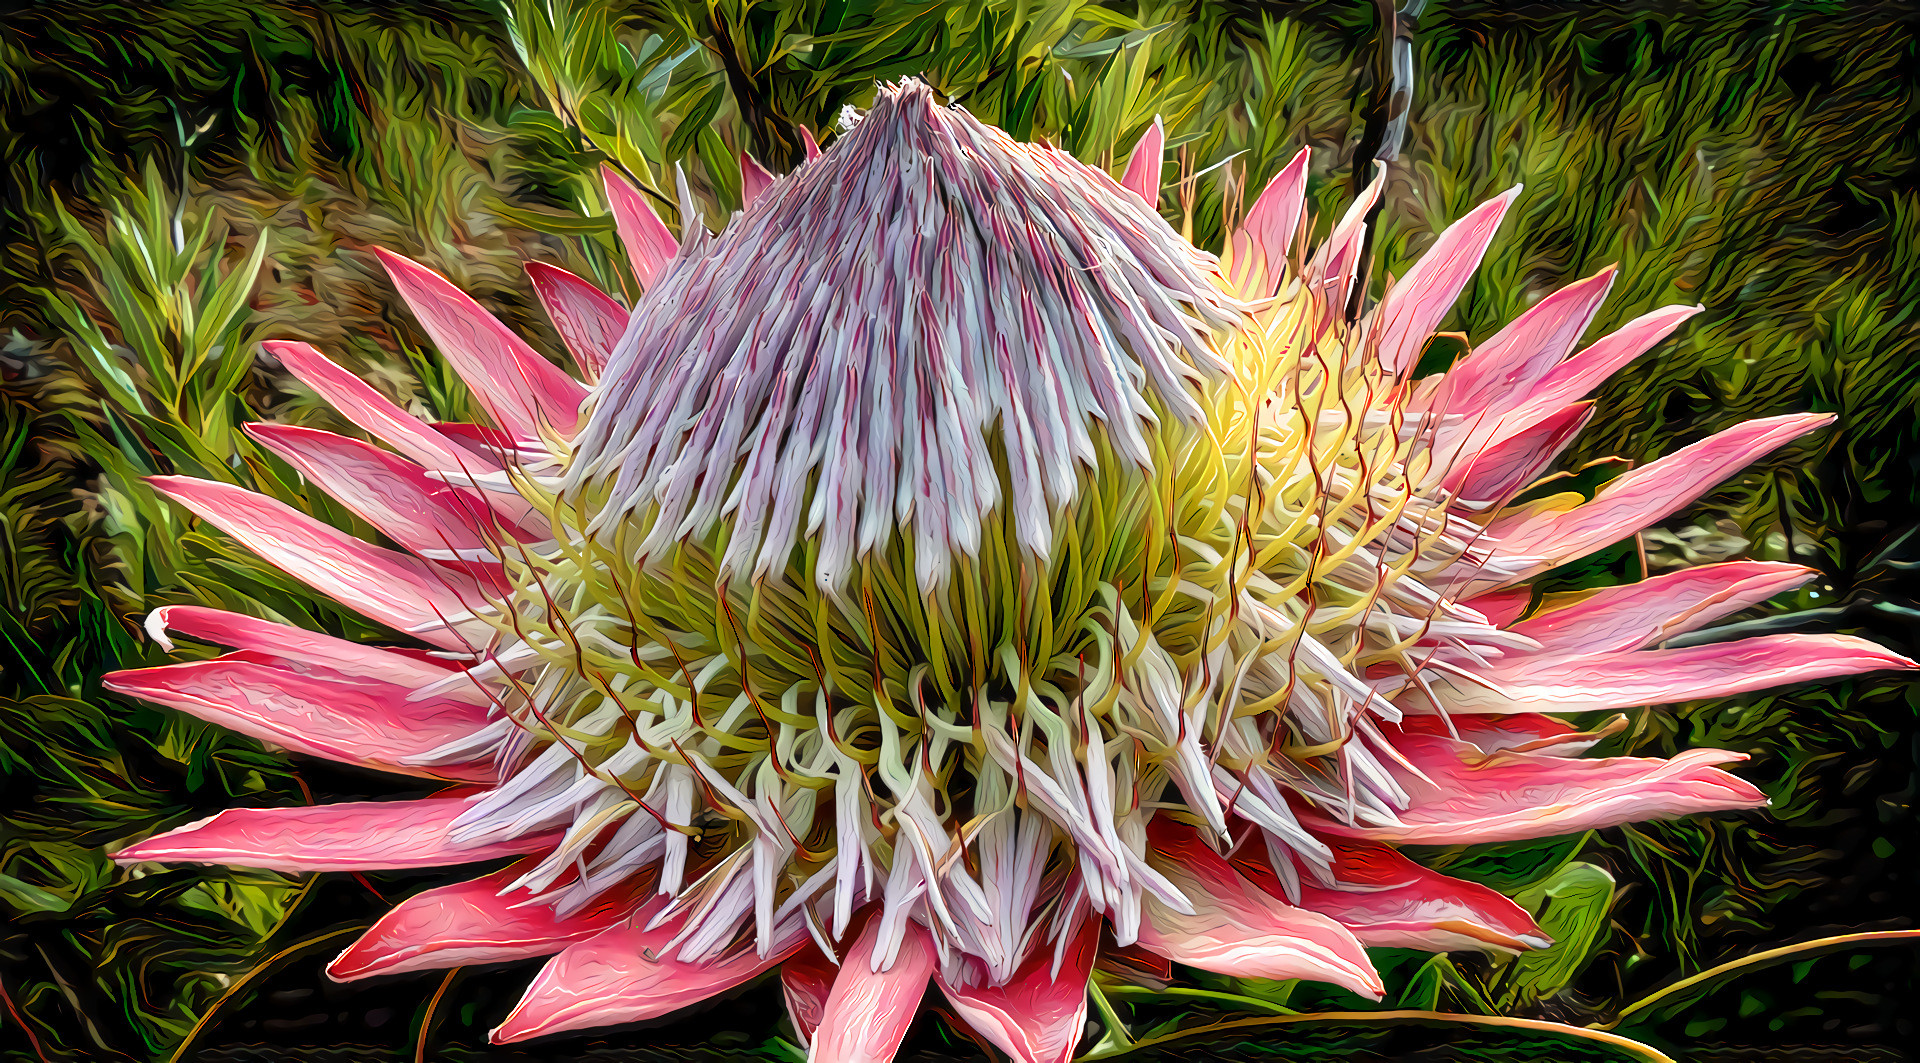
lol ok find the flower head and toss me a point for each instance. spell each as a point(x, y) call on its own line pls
point(954, 577)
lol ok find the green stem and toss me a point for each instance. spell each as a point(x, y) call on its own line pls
point(1236, 999)
point(1116, 1039)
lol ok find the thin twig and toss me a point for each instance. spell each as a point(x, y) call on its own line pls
point(426, 1021)
point(1398, 1017)
point(206, 1017)
point(22, 1020)
point(1836, 943)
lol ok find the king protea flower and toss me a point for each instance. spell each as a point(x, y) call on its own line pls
point(948, 575)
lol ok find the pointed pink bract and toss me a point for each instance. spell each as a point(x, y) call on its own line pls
point(1644, 495)
point(360, 403)
point(1572, 681)
point(1143, 167)
point(1388, 901)
point(520, 390)
point(1580, 374)
point(1469, 797)
point(754, 179)
point(650, 244)
point(626, 974)
point(308, 648)
point(354, 720)
point(1266, 238)
point(1495, 475)
point(403, 592)
point(347, 836)
point(472, 922)
point(1633, 615)
point(1520, 355)
point(1239, 929)
point(868, 1012)
point(1330, 272)
point(1419, 301)
point(1038, 1016)
point(389, 492)
point(589, 321)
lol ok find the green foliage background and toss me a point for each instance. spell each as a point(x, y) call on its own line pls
point(184, 179)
